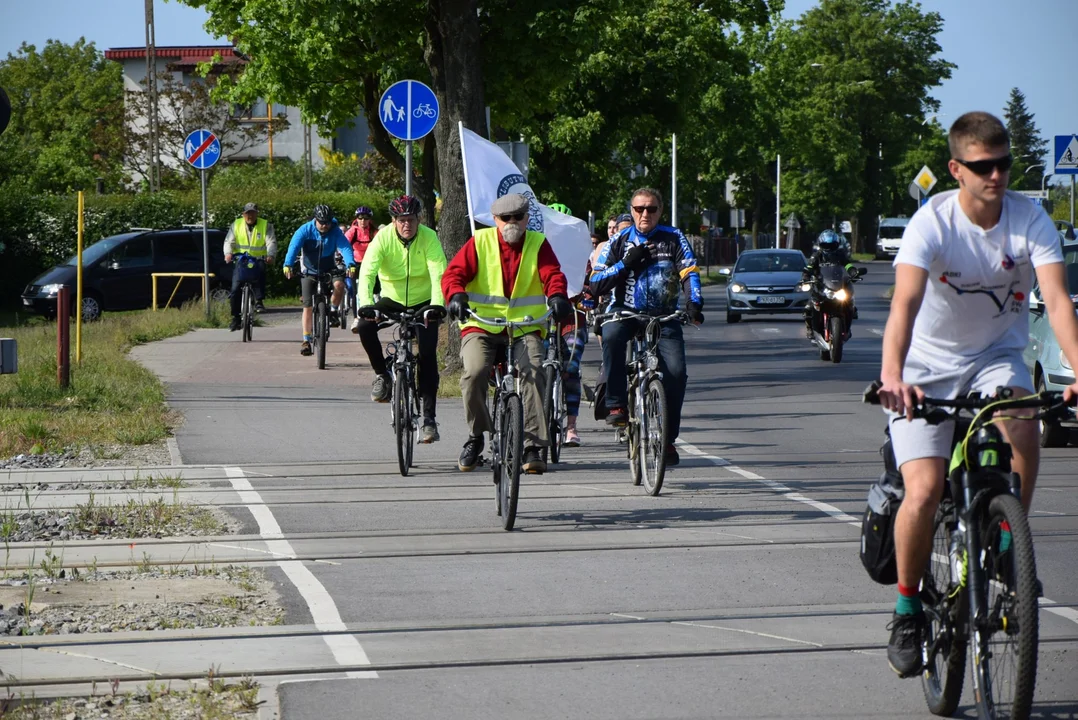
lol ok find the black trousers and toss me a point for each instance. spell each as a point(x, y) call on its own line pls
point(236, 296)
point(428, 348)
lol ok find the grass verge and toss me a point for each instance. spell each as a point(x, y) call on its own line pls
point(111, 399)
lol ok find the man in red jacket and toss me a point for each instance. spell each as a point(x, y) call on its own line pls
point(511, 272)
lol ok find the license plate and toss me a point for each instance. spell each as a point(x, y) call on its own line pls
point(770, 300)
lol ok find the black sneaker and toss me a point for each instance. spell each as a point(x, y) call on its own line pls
point(533, 461)
point(305, 348)
point(672, 458)
point(618, 417)
point(469, 455)
point(259, 307)
point(904, 652)
point(234, 324)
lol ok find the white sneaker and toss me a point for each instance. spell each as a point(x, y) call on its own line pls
point(355, 326)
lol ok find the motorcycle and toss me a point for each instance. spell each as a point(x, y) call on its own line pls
point(831, 305)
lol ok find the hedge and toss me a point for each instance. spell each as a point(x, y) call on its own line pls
point(39, 231)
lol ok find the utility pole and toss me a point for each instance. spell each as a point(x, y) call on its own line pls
point(154, 162)
point(778, 198)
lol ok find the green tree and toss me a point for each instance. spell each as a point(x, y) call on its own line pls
point(1027, 145)
point(67, 107)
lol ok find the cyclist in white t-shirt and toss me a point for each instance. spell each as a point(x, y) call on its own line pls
point(958, 323)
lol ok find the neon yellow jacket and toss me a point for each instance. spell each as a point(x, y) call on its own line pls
point(410, 275)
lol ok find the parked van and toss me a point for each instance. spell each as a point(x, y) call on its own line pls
point(890, 236)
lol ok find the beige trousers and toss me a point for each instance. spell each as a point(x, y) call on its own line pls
point(477, 352)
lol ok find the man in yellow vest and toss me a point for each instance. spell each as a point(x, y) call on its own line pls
point(256, 238)
point(505, 271)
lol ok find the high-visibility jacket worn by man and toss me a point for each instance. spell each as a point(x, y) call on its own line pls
point(505, 271)
point(254, 237)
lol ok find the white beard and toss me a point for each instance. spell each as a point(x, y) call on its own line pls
point(513, 234)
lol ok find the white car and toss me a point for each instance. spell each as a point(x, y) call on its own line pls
point(890, 236)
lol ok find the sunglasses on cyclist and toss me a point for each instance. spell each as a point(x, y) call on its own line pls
point(514, 217)
point(641, 209)
point(985, 167)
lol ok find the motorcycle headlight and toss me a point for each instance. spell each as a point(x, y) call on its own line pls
point(51, 289)
point(1063, 361)
point(804, 287)
point(841, 295)
point(737, 287)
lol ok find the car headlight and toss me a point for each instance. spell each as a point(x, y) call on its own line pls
point(737, 287)
point(52, 289)
point(1063, 361)
point(804, 287)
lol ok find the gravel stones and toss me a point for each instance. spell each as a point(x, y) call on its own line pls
point(149, 455)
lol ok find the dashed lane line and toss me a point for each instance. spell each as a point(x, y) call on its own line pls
point(1046, 604)
point(345, 648)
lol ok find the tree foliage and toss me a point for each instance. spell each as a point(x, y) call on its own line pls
point(67, 106)
point(1027, 145)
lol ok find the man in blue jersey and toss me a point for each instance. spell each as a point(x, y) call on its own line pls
point(318, 240)
point(646, 268)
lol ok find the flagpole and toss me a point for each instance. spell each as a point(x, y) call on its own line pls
point(467, 185)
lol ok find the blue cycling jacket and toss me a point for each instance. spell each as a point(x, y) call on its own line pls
point(314, 245)
point(656, 288)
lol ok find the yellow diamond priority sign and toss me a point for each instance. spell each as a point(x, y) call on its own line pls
point(925, 180)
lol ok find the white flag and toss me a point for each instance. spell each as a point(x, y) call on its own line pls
point(489, 174)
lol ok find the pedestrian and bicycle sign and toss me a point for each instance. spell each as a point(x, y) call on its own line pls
point(202, 149)
point(1066, 155)
point(408, 110)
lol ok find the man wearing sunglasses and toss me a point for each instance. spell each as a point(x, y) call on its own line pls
point(959, 322)
point(512, 272)
point(646, 267)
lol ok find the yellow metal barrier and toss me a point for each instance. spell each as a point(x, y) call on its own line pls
point(181, 276)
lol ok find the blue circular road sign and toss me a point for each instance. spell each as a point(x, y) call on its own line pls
point(202, 149)
point(408, 110)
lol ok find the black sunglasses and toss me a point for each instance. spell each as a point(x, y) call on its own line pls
point(515, 217)
point(984, 167)
point(641, 209)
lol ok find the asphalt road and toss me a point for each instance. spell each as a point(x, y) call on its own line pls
point(737, 593)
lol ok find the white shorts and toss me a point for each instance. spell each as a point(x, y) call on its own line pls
point(917, 439)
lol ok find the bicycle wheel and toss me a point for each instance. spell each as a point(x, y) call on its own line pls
point(404, 427)
point(632, 438)
point(247, 309)
point(1005, 650)
point(321, 332)
point(512, 432)
point(550, 412)
point(653, 437)
point(946, 609)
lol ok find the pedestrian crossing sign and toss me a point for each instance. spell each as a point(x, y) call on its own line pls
point(1066, 155)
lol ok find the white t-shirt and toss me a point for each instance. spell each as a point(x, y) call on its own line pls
point(977, 298)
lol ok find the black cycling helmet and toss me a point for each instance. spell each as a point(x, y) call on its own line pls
point(404, 205)
point(828, 240)
point(364, 211)
point(323, 214)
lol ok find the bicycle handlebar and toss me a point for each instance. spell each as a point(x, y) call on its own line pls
point(413, 317)
point(616, 315)
point(936, 410)
point(503, 322)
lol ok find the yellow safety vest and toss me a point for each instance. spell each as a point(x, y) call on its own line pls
point(486, 292)
point(255, 245)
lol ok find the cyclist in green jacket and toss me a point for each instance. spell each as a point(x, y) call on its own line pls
point(408, 260)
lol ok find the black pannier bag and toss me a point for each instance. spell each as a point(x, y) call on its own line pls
point(878, 523)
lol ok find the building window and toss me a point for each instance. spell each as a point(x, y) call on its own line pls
point(257, 112)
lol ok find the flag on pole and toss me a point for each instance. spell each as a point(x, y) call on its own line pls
point(490, 174)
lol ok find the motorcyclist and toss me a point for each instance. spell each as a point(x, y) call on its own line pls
point(830, 250)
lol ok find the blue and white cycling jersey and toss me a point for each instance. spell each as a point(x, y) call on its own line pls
point(655, 289)
point(314, 244)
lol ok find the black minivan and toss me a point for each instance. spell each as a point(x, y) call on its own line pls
point(117, 269)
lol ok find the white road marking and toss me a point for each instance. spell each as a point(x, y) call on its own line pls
point(1063, 612)
point(1048, 512)
point(251, 549)
point(631, 617)
point(776, 486)
point(345, 648)
point(876, 331)
point(750, 632)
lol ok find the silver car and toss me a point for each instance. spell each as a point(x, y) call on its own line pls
point(1045, 360)
point(766, 282)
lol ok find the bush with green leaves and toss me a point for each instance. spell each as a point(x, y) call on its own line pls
point(38, 231)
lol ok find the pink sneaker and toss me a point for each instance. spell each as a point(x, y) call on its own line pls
point(572, 438)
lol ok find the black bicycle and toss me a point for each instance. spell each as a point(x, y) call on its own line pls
point(977, 591)
point(507, 438)
point(402, 357)
point(554, 409)
point(250, 268)
point(320, 325)
point(648, 429)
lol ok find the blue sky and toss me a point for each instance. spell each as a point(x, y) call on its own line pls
point(997, 45)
